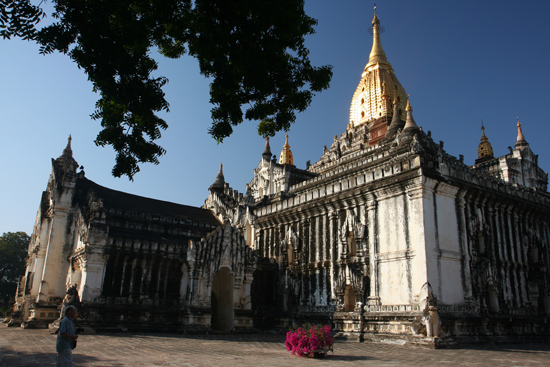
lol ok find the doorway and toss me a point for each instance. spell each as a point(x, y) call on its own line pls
point(222, 301)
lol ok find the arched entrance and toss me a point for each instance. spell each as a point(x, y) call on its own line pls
point(222, 301)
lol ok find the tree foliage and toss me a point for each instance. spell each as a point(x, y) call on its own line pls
point(18, 18)
point(252, 51)
point(13, 249)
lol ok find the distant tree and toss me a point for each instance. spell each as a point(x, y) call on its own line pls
point(252, 50)
point(13, 249)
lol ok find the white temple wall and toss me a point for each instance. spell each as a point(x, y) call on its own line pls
point(392, 232)
point(417, 238)
point(393, 262)
point(433, 265)
point(449, 250)
point(93, 272)
point(94, 264)
point(394, 288)
point(443, 251)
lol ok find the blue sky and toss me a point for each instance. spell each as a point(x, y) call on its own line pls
point(460, 61)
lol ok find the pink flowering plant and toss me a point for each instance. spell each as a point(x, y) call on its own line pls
point(306, 340)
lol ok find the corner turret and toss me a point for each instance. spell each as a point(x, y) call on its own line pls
point(410, 127)
point(396, 122)
point(520, 140)
point(219, 182)
point(267, 151)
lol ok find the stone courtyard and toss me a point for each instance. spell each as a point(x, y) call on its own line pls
point(26, 347)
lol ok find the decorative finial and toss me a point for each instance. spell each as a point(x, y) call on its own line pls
point(410, 123)
point(483, 137)
point(375, 20)
point(408, 108)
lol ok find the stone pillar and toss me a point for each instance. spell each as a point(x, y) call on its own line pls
point(247, 283)
point(126, 272)
point(38, 269)
point(463, 234)
point(511, 264)
point(372, 222)
point(305, 271)
point(360, 240)
point(55, 268)
point(317, 241)
point(146, 280)
point(168, 262)
point(421, 223)
point(522, 261)
point(311, 241)
point(40, 257)
point(332, 241)
point(134, 275)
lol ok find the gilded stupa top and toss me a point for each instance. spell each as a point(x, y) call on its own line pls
point(485, 149)
point(378, 86)
point(286, 154)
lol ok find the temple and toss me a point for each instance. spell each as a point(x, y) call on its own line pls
point(386, 238)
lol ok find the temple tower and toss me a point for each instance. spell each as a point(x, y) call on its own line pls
point(372, 101)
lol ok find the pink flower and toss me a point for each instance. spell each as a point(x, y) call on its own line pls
point(305, 340)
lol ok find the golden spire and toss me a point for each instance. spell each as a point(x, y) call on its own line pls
point(377, 54)
point(286, 154)
point(485, 149)
point(520, 141)
point(378, 86)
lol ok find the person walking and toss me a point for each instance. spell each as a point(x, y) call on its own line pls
point(66, 339)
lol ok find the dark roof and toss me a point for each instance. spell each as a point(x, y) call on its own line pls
point(113, 199)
